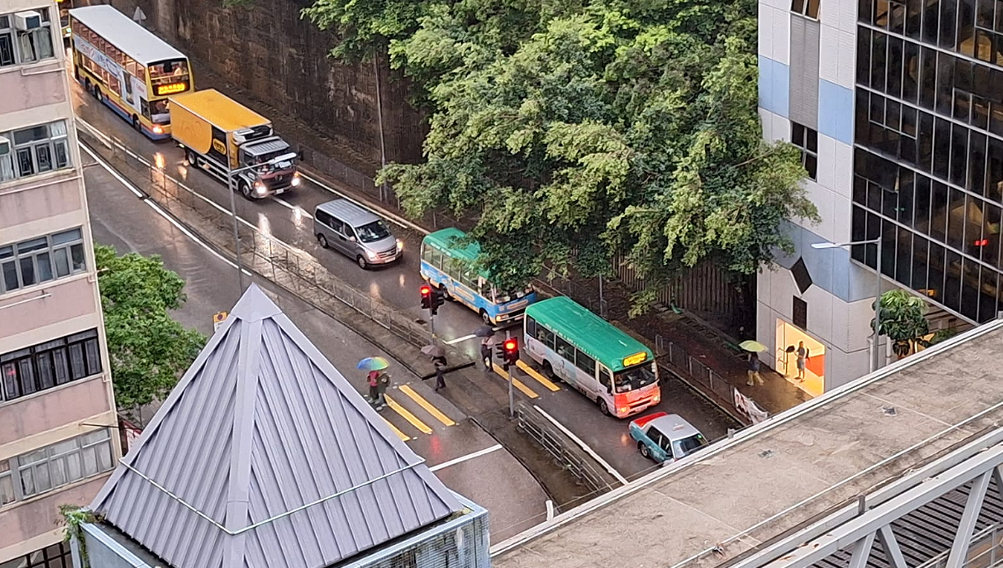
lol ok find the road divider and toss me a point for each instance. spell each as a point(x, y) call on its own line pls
point(406, 415)
point(537, 376)
point(429, 408)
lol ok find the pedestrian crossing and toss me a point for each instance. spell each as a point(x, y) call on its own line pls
point(410, 415)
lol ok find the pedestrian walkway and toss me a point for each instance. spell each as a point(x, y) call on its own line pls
point(410, 414)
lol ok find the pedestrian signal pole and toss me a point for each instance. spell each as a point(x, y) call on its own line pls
point(510, 348)
point(426, 304)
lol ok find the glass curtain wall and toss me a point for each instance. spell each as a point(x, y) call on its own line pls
point(928, 161)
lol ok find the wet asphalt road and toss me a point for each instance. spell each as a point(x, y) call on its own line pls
point(289, 218)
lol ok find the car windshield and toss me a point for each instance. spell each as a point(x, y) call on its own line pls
point(687, 446)
point(634, 378)
point(373, 232)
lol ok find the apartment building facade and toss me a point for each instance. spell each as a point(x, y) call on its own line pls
point(58, 442)
point(898, 109)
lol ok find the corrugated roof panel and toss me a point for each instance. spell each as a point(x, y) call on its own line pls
point(259, 430)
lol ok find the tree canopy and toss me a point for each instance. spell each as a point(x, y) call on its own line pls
point(148, 349)
point(572, 130)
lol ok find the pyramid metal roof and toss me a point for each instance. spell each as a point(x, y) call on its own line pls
point(265, 456)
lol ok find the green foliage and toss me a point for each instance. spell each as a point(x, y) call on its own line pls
point(148, 349)
point(574, 129)
point(902, 319)
point(74, 516)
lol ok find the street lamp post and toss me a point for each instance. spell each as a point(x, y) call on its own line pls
point(875, 359)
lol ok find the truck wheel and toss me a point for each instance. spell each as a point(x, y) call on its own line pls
point(245, 190)
point(486, 318)
point(192, 159)
point(136, 124)
point(97, 94)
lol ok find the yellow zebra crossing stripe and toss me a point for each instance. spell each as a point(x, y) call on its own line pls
point(515, 382)
point(435, 412)
point(421, 426)
point(404, 437)
point(539, 378)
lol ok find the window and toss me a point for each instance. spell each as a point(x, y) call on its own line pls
point(545, 336)
point(20, 47)
point(6, 483)
point(805, 8)
point(50, 364)
point(530, 327)
point(41, 259)
point(56, 556)
point(807, 140)
point(63, 463)
point(36, 150)
point(585, 363)
point(564, 349)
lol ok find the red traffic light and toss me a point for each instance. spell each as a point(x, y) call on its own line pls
point(426, 290)
point(511, 345)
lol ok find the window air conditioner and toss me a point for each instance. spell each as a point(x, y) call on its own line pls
point(27, 21)
point(4, 146)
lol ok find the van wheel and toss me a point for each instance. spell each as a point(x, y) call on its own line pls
point(245, 190)
point(644, 449)
point(136, 124)
point(192, 160)
point(322, 240)
point(362, 262)
point(486, 318)
point(603, 408)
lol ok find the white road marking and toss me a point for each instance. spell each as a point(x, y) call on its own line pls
point(128, 185)
point(550, 510)
point(292, 207)
point(462, 459)
point(583, 446)
point(459, 339)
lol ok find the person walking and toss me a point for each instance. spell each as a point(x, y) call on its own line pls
point(486, 354)
point(440, 364)
point(382, 384)
point(802, 360)
point(754, 366)
point(374, 391)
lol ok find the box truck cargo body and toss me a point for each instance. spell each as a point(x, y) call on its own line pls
point(233, 144)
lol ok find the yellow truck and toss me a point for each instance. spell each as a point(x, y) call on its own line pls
point(233, 144)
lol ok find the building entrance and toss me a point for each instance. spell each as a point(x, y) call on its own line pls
point(791, 339)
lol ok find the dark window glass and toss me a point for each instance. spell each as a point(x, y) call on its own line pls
point(982, 46)
point(931, 22)
point(935, 278)
point(861, 121)
point(863, 54)
point(945, 83)
point(928, 78)
point(921, 203)
point(994, 171)
point(865, 11)
point(980, 113)
point(907, 190)
point(938, 211)
point(78, 368)
point(920, 250)
point(857, 226)
point(977, 162)
point(93, 356)
point(966, 20)
point(878, 46)
point(996, 119)
point(875, 195)
point(956, 214)
point(925, 141)
point(27, 271)
point(941, 148)
point(859, 190)
point(959, 154)
point(910, 78)
point(999, 17)
point(952, 280)
point(903, 255)
point(10, 281)
point(962, 105)
point(971, 278)
point(913, 17)
point(894, 83)
point(896, 18)
point(948, 17)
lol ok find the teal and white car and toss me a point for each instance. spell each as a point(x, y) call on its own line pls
point(665, 437)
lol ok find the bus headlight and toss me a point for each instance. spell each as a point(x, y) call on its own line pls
point(157, 129)
point(297, 179)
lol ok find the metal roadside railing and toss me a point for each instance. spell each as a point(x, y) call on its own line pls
point(561, 448)
point(286, 266)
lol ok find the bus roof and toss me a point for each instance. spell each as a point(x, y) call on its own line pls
point(446, 239)
point(220, 110)
point(125, 34)
point(588, 332)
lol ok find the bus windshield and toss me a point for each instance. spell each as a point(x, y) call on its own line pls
point(634, 378)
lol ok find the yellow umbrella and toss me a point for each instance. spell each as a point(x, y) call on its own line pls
point(753, 346)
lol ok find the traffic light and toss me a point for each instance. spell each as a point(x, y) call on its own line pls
point(500, 352)
point(438, 298)
point(511, 354)
point(426, 297)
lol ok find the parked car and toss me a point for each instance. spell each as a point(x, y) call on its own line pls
point(665, 437)
point(356, 232)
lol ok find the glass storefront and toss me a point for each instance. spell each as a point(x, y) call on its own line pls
point(928, 165)
point(790, 339)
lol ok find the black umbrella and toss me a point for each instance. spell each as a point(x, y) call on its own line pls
point(433, 351)
point(484, 331)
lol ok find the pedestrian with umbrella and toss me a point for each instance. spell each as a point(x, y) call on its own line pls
point(753, 347)
point(377, 379)
point(486, 333)
point(438, 356)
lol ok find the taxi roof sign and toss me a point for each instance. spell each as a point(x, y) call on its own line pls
point(219, 317)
